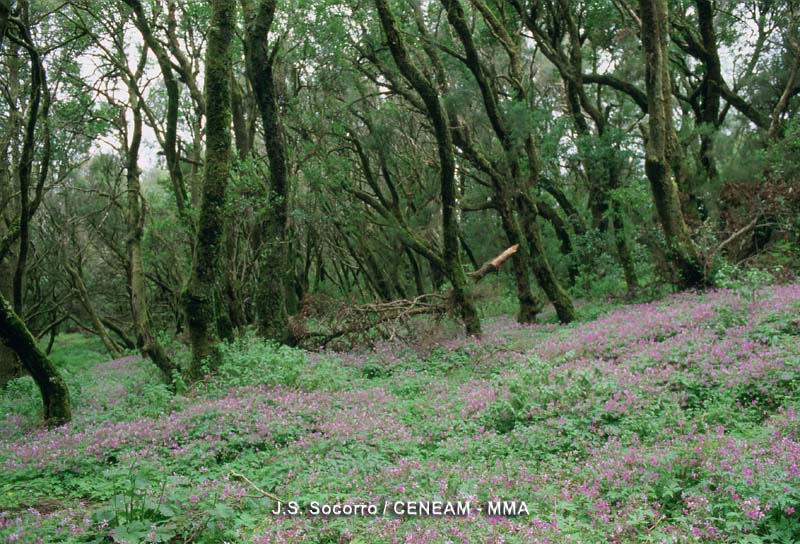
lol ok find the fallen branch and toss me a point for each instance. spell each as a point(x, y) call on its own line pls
point(736, 235)
point(239, 476)
point(385, 317)
point(494, 264)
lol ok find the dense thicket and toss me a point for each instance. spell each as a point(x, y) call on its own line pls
point(183, 170)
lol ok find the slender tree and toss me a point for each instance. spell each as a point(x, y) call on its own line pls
point(441, 123)
point(261, 54)
point(170, 143)
point(147, 343)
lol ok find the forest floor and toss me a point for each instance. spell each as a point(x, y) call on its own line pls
point(671, 421)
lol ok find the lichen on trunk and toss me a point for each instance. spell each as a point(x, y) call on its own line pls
point(55, 395)
point(199, 298)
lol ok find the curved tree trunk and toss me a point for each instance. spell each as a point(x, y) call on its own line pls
point(661, 145)
point(451, 256)
point(55, 396)
point(515, 181)
point(147, 343)
point(529, 304)
point(272, 314)
point(173, 106)
point(541, 266)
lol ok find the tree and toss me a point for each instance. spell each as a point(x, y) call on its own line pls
point(147, 343)
point(451, 256)
point(261, 56)
point(55, 395)
point(200, 295)
point(515, 188)
point(662, 155)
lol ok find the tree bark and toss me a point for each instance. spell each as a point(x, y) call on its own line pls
point(272, 314)
point(53, 388)
point(10, 368)
point(83, 296)
point(661, 144)
point(541, 266)
point(38, 110)
point(451, 256)
point(5, 11)
point(148, 344)
point(200, 294)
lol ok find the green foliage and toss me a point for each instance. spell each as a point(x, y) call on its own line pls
point(782, 156)
point(76, 351)
point(252, 361)
point(20, 397)
point(745, 281)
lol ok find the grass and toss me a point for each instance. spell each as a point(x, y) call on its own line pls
point(76, 352)
point(674, 420)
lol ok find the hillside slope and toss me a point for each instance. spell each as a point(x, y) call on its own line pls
point(677, 420)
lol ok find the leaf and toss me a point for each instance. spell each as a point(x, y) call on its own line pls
point(133, 532)
point(141, 482)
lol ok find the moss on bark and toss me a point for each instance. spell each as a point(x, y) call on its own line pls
point(55, 395)
point(199, 297)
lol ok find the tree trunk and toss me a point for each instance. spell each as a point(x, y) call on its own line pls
point(623, 249)
point(661, 145)
point(541, 266)
point(273, 320)
point(451, 255)
point(200, 294)
point(83, 296)
point(562, 233)
point(513, 181)
point(148, 344)
point(529, 304)
point(618, 222)
point(5, 11)
point(38, 114)
point(55, 396)
point(173, 105)
point(10, 367)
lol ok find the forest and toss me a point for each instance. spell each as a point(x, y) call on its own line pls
point(257, 256)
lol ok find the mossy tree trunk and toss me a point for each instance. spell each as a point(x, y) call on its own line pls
point(10, 367)
point(272, 315)
point(515, 188)
point(55, 395)
point(200, 295)
point(711, 98)
point(38, 116)
point(5, 11)
point(661, 145)
point(451, 255)
point(148, 344)
point(541, 266)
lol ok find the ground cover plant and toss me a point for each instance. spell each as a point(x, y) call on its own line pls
point(671, 421)
point(528, 264)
